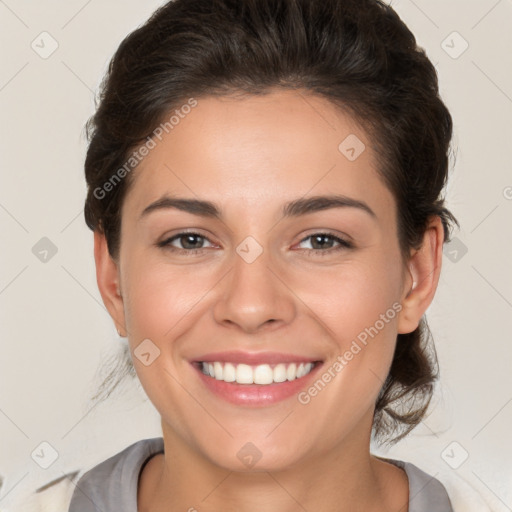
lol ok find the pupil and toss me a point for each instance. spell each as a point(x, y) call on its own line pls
point(189, 238)
point(321, 237)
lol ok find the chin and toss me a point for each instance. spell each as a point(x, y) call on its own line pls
point(249, 457)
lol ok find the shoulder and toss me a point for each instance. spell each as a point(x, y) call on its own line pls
point(85, 484)
point(446, 491)
point(465, 496)
point(53, 496)
point(426, 493)
point(124, 463)
point(112, 484)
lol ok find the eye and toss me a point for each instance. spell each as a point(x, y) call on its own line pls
point(190, 242)
point(321, 243)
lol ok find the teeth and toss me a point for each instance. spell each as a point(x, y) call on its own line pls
point(244, 374)
point(279, 373)
point(219, 370)
point(229, 374)
point(262, 374)
point(291, 371)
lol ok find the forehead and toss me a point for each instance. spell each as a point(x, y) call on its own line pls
point(257, 151)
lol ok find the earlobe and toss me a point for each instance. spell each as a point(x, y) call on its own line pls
point(107, 277)
point(423, 277)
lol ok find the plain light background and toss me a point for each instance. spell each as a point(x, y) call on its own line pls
point(55, 332)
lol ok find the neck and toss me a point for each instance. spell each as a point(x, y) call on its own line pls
point(345, 478)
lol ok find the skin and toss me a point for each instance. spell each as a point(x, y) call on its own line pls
point(250, 156)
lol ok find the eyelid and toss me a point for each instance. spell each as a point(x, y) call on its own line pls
point(344, 242)
point(186, 231)
point(165, 241)
point(324, 231)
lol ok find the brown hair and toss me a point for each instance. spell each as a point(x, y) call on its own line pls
point(358, 54)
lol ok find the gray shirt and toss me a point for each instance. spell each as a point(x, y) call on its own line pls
point(112, 485)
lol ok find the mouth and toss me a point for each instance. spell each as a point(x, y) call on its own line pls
point(255, 379)
point(262, 374)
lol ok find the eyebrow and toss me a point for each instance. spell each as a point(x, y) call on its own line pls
point(294, 208)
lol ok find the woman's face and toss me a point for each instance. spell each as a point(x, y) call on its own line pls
point(264, 281)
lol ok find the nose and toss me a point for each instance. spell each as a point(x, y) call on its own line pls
point(254, 297)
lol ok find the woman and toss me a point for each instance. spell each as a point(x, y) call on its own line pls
point(265, 189)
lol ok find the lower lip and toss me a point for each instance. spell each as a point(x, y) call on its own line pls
point(256, 395)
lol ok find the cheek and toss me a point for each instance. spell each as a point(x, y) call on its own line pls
point(160, 296)
point(347, 298)
point(352, 296)
point(358, 305)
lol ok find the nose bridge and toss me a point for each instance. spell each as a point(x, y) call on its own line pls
point(253, 295)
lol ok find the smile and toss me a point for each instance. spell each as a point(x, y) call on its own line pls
point(263, 374)
point(256, 379)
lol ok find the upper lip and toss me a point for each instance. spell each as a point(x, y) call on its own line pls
point(254, 358)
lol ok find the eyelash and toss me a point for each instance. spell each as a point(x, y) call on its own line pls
point(344, 244)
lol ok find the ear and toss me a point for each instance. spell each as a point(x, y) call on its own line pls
point(423, 277)
point(107, 277)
